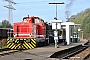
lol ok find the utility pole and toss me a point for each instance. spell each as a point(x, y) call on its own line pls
point(56, 3)
point(55, 24)
point(10, 8)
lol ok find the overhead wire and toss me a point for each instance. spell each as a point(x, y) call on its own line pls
point(35, 4)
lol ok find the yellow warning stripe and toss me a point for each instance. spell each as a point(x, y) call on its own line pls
point(8, 44)
point(33, 41)
point(17, 46)
point(11, 39)
point(15, 41)
point(7, 39)
point(21, 39)
point(31, 45)
point(25, 39)
point(25, 46)
point(11, 45)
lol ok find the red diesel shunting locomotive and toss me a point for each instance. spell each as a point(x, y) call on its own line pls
point(30, 27)
point(27, 33)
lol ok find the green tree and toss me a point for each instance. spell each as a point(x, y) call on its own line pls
point(83, 18)
point(87, 31)
point(6, 24)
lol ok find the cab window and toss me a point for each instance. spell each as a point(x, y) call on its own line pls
point(37, 21)
point(42, 23)
point(25, 20)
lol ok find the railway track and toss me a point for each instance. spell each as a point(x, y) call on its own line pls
point(6, 51)
point(84, 55)
point(87, 57)
point(72, 53)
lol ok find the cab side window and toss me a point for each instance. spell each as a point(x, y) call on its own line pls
point(42, 23)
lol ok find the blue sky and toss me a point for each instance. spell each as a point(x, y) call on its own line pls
point(42, 9)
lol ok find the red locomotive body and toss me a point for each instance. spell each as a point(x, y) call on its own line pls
point(29, 33)
point(30, 27)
